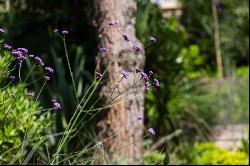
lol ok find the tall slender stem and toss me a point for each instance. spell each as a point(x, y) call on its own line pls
point(29, 73)
point(19, 71)
point(71, 73)
point(40, 91)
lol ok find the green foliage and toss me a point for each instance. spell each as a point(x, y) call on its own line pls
point(177, 65)
point(233, 18)
point(22, 123)
point(208, 153)
point(154, 158)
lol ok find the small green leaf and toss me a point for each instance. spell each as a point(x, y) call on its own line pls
point(166, 159)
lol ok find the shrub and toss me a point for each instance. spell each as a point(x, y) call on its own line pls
point(208, 153)
point(22, 124)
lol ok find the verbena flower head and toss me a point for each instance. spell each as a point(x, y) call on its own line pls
point(98, 75)
point(46, 78)
point(156, 83)
point(139, 117)
point(65, 32)
point(39, 61)
point(144, 76)
point(16, 53)
point(111, 23)
point(136, 48)
point(6, 46)
point(2, 30)
point(103, 50)
point(31, 56)
point(56, 104)
point(100, 144)
point(150, 73)
point(23, 50)
point(49, 70)
point(151, 131)
point(55, 30)
point(124, 74)
point(138, 70)
point(21, 57)
point(30, 94)
point(147, 86)
point(152, 40)
point(12, 78)
point(126, 37)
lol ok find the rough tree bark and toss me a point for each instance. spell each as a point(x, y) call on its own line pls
point(113, 17)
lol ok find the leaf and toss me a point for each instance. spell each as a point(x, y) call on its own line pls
point(166, 159)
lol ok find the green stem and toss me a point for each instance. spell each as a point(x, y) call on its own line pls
point(71, 73)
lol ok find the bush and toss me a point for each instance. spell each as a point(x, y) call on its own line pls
point(22, 126)
point(208, 153)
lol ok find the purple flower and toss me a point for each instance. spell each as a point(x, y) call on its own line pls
point(23, 50)
point(16, 53)
point(21, 57)
point(138, 70)
point(2, 30)
point(49, 70)
point(31, 56)
point(100, 144)
point(55, 30)
point(103, 50)
point(111, 23)
point(152, 40)
point(64, 32)
point(116, 22)
point(139, 117)
point(12, 78)
point(46, 78)
point(6, 46)
point(147, 86)
point(150, 73)
point(30, 94)
point(156, 83)
point(144, 76)
point(126, 37)
point(98, 75)
point(151, 131)
point(136, 48)
point(124, 74)
point(39, 61)
point(56, 105)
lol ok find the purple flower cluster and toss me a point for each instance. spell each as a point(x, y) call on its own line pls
point(20, 55)
point(30, 94)
point(7, 47)
point(113, 22)
point(136, 48)
point(98, 75)
point(48, 70)
point(146, 78)
point(126, 37)
point(152, 40)
point(56, 104)
point(64, 32)
point(124, 74)
point(103, 50)
point(151, 131)
point(12, 78)
point(2, 30)
point(39, 61)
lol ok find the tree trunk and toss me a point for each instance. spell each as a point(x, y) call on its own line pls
point(119, 123)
